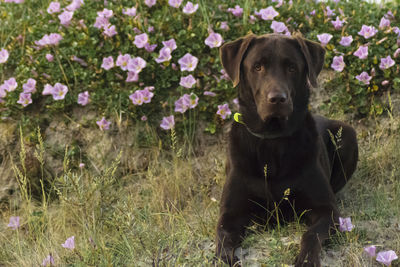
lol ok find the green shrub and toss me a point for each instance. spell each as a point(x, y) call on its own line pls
point(79, 55)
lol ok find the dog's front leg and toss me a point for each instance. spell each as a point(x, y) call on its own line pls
point(234, 217)
point(322, 225)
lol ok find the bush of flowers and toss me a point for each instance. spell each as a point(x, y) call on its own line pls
point(158, 60)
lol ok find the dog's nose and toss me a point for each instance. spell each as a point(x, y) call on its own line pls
point(275, 97)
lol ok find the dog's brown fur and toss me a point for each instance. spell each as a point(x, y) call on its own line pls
point(274, 73)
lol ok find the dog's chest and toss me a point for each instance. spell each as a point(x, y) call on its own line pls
point(280, 159)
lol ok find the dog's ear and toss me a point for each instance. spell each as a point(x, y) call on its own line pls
point(314, 54)
point(232, 54)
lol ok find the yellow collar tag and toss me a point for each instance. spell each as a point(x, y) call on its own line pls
point(238, 118)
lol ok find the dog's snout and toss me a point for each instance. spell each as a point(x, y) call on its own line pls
point(276, 97)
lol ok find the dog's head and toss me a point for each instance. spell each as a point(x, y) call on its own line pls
point(273, 73)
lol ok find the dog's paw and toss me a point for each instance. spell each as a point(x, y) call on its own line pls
point(305, 260)
point(227, 255)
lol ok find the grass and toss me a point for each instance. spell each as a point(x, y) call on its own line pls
point(165, 215)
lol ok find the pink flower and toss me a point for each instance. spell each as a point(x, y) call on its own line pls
point(224, 111)
point(59, 91)
point(367, 31)
point(65, 18)
point(364, 77)
point(168, 123)
point(129, 11)
point(165, 55)
point(224, 26)
point(136, 64)
point(3, 56)
point(108, 63)
point(101, 23)
point(49, 57)
point(389, 15)
point(337, 24)
point(386, 63)
point(70, 242)
point(122, 61)
point(362, 52)
point(150, 48)
point(24, 99)
point(329, 12)
point(147, 95)
point(384, 23)
point(236, 102)
point(370, 250)
point(2, 92)
point(83, 98)
point(209, 93)
point(150, 3)
point(280, 3)
point(175, 3)
point(48, 261)
point(338, 63)
point(278, 27)
point(188, 62)
point(106, 13)
point(386, 257)
point(252, 19)
point(14, 222)
point(81, 165)
point(186, 101)
point(237, 11)
point(79, 60)
point(48, 90)
point(385, 83)
point(182, 104)
point(171, 44)
point(187, 81)
point(142, 96)
point(143, 118)
point(109, 30)
point(103, 125)
point(10, 84)
point(346, 40)
point(52, 39)
point(14, 1)
point(214, 40)
point(224, 75)
point(54, 7)
point(29, 86)
point(396, 30)
point(268, 13)
point(345, 224)
point(189, 8)
point(141, 40)
point(74, 5)
point(137, 97)
point(396, 53)
point(132, 77)
point(324, 38)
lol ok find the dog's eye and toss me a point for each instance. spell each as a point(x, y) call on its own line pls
point(292, 68)
point(258, 67)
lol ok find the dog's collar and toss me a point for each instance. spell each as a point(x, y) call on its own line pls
point(238, 118)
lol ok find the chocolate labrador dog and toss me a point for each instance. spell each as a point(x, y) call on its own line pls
point(283, 163)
